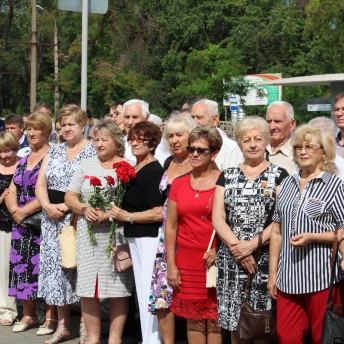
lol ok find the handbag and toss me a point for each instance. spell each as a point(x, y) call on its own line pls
point(252, 324)
point(211, 272)
point(333, 323)
point(121, 257)
point(67, 239)
point(34, 221)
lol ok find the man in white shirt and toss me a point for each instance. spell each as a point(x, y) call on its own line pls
point(280, 118)
point(136, 111)
point(15, 124)
point(206, 112)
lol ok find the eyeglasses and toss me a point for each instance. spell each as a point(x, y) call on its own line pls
point(336, 111)
point(308, 148)
point(137, 139)
point(200, 151)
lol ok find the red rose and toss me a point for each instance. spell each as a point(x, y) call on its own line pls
point(95, 181)
point(124, 171)
point(110, 180)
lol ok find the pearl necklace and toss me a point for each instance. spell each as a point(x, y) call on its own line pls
point(182, 163)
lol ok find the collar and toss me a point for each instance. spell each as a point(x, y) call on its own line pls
point(338, 137)
point(286, 149)
point(22, 139)
point(325, 176)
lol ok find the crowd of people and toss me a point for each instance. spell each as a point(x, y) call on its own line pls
point(274, 181)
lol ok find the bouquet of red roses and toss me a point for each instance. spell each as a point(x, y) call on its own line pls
point(101, 198)
point(124, 172)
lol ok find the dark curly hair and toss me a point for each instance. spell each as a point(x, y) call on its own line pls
point(148, 130)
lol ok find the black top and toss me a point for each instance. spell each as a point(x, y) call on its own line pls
point(143, 194)
point(5, 216)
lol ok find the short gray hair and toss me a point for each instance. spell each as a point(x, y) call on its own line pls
point(249, 123)
point(179, 122)
point(212, 106)
point(289, 107)
point(144, 106)
point(114, 132)
point(324, 122)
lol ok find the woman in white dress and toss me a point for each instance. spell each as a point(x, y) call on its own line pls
point(56, 284)
point(96, 275)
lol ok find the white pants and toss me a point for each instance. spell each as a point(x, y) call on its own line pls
point(7, 303)
point(143, 252)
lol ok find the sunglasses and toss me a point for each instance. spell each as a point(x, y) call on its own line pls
point(200, 151)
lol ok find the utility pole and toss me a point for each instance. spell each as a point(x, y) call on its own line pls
point(33, 84)
point(84, 48)
point(56, 74)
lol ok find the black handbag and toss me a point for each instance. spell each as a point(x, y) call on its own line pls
point(333, 323)
point(252, 324)
point(34, 221)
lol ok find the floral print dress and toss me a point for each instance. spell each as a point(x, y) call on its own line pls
point(161, 293)
point(25, 243)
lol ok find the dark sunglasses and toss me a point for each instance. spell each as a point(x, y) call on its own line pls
point(200, 151)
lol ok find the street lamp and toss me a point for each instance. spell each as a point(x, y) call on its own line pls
point(56, 65)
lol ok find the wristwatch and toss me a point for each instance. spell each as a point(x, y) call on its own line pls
point(131, 219)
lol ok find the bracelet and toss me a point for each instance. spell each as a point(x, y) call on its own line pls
point(45, 205)
point(339, 242)
point(131, 218)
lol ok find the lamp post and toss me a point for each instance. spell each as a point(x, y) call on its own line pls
point(56, 66)
point(33, 83)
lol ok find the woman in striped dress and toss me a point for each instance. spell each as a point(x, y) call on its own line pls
point(309, 210)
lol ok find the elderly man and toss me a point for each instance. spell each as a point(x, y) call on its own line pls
point(338, 113)
point(280, 118)
point(206, 112)
point(135, 111)
point(326, 123)
point(15, 124)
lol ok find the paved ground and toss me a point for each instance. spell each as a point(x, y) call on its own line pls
point(29, 337)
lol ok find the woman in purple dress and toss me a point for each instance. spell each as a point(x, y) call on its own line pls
point(21, 203)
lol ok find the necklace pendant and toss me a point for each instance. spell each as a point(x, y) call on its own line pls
point(196, 195)
point(266, 192)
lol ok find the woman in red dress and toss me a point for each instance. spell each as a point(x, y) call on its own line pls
point(189, 223)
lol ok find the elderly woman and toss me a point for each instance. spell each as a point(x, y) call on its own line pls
point(243, 207)
point(309, 210)
point(95, 269)
point(116, 115)
point(56, 284)
point(21, 203)
point(176, 133)
point(142, 215)
point(189, 213)
point(9, 146)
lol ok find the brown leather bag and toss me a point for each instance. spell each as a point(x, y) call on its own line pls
point(121, 257)
point(252, 324)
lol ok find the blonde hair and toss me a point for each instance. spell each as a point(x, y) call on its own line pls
point(305, 133)
point(41, 121)
point(113, 130)
point(78, 113)
point(9, 141)
point(250, 123)
point(177, 123)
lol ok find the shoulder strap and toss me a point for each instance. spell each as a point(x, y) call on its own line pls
point(333, 267)
point(168, 162)
point(211, 240)
point(249, 278)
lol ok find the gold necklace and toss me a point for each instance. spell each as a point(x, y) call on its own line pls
point(205, 183)
point(143, 163)
point(76, 147)
point(253, 173)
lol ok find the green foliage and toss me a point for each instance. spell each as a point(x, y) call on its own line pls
point(164, 51)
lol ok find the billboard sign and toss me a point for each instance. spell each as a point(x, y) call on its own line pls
point(94, 6)
point(270, 93)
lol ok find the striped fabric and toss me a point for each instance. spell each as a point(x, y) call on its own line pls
point(318, 209)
